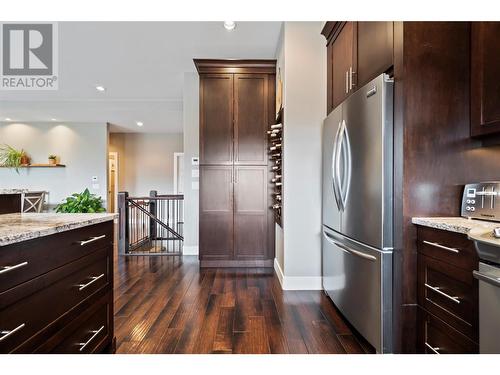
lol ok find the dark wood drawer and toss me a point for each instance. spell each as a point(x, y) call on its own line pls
point(437, 337)
point(90, 334)
point(35, 305)
point(449, 247)
point(450, 293)
point(40, 255)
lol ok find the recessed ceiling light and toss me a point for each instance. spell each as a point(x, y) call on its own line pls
point(53, 119)
point(8, 119)
point(100, 88)
point(139, 123)
point(229, 25)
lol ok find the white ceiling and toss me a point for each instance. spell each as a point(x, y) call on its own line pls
point(141, 65)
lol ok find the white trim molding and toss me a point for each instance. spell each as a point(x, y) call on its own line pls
point(297, 282)
point(190, 250)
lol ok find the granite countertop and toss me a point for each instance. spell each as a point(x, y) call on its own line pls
point(13, 191)
point(22, 227)
point(454, 224)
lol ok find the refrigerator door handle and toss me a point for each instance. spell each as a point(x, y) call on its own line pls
point(345, 185)
point(336, 189)
point(336, 172)
point(349, 250)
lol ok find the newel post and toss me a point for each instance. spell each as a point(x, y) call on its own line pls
point(123, 219)
point(152, 211)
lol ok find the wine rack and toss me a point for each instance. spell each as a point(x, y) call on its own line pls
point(275, 151)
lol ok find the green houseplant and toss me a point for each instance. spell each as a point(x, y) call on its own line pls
point(12, 158)
point(84, 202)
point(52, 159)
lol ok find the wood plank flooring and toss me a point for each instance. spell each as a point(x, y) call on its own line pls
point(169, 305)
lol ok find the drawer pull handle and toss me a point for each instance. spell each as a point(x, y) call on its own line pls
point(92, 240)
point(451, 249)
point(6, 334)
point(83, 345)
point(434, 350)
point(437, 290)
point(6, 269)
point(93, 280)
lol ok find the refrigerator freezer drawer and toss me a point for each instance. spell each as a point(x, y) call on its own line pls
point(358, 279)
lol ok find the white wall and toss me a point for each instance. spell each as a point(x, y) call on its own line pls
point(81, 147)
point(145, 161)
point(191, 149)
point(305, 109)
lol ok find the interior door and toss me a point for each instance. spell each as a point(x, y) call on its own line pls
point(250, 212)
point(250, 119)
point(216, 119)
point(367, 214)
point(216, 212)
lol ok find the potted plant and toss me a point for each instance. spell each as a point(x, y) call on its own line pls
point(52, 159)
point(12, 158)
point(84, 202)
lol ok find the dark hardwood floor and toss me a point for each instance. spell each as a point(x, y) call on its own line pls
point(170, 305)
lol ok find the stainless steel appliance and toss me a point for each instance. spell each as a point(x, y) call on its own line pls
point(482, 201)
point(357, 210)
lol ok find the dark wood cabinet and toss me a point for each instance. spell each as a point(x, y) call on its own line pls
point(216, 212)
point(485, 78)
point(64, 281)
point(237, 100)
point(343, 63)
point(447, 293)
point(10, 203)
point(357, 52)
point(216, 119)
point(250, 212)
point(375, 49)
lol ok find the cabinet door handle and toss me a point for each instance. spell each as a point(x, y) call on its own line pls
point(434, 349)
point(6, 334)
point(6, 269)
point(346, 81)
point(351, 72)
point(82, 243)
point(83, 345)
point(435, 244)
point(93, 280)
point(437, 290)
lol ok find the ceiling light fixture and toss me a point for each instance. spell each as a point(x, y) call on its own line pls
point(53, 119)
point(8, 119)
point(100, 88)
point(229, 25)
point(139, 123)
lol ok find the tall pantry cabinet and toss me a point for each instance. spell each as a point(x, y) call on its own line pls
point(237, 105)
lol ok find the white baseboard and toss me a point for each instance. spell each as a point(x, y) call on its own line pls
point(297, 282)
point(190, 250)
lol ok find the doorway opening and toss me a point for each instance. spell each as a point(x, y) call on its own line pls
point(112, 182)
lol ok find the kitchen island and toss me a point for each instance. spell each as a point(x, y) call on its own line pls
point(56, 283)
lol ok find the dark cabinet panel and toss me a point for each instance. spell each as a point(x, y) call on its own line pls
point(10, 203)
point(216, 212)
point(250, 119)
point(250, 212)
point(485, 78)
point(375, 50)
point(344, 63)
point(216, 119)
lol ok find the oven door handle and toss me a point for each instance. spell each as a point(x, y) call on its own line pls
point(487, 279)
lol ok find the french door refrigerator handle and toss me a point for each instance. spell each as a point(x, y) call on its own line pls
point(336, 171)
point(334, 162)
point(345, 184)
point(348, 249)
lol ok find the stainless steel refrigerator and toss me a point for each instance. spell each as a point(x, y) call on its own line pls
point(357, 238)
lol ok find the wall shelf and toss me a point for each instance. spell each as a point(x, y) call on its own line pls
point(40, 166)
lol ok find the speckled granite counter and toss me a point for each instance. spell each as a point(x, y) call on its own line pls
point(21, 227)
point(12, 191)
point(454, 224)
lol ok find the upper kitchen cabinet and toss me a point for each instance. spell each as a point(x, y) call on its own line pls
point(485, 78)
point(357, 52)
point(216, 119)
point(375, 49)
